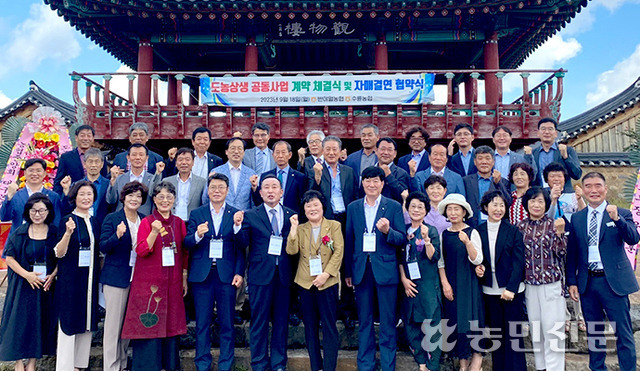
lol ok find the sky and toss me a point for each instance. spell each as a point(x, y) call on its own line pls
point(600, 48)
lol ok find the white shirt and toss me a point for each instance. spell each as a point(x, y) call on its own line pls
point(132, 177)
point(182, 199)
point(594, 251)
point(235, 175)
point(279, 216)
point(133, 230)
point(217, 223)
point(492, 229)
point(370, 213)
point(30, 192)
point(201, 166)
point(439, 173)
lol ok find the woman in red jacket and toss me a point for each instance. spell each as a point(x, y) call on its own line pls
point(155, 313)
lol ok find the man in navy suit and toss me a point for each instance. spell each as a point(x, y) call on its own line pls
point(260, 157)
point(375, 233)
point(599, 273)
point(93, 162)
point(294, 183)
point(216, 269)
point(550, 151)
point(314, 141)
point(438, 160)
point(504, 156)
point(362, 159)
point(13, 205)
point(418, 137)
point(203, 161)
point(70, 163)
point(396, 181)
point(462, 162)
point(138, 133)
point(487, 179)
point(265, 230)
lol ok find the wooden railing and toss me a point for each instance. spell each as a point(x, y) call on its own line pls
point(112, 114)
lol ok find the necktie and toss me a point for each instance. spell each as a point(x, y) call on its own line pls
point(318, 160)
point(259, 162)
point(280, 175)
point(84, 169)
point(274, 222)
point(593, 236)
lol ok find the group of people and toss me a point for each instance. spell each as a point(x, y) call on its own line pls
point(448, 244)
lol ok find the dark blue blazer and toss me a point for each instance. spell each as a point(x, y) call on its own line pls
point(121, 161)
point(384, 261)
point(116, 271)
point(403, 162)
point(617, 268)
point(256, 233)
point(307, 166)
point(473, 196)
point(70, 164)
point(233, 260)
point(572, 164)
point(455, 164)
point(213, 162)
point(453, 179)
point(394, 184)
point(348, 185)
point(509, 256)
point(100, 206)
point(12, 210)
point(295, 186)
point(353, 161)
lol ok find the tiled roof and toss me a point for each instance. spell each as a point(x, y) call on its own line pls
point(601, 113)
point(40, 97)
point(604, 159)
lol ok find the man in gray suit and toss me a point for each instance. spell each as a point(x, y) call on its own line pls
point(504, 157)
point(260, 157)
point(137, 156)
point(189, 186)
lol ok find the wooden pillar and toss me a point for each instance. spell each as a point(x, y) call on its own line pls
point(491, 62)
point(145, 64)
point(382, 55)
point(468, 89)
point(194, 89)
point(172, 90)
point(456, 94)
point(251, 55)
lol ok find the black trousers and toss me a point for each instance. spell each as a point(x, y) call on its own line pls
point(321, 306)
point(498, 314)
point(155, 354)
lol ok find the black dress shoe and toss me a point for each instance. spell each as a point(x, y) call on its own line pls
point(349, 324)
point(294, 320)
point(237, 319)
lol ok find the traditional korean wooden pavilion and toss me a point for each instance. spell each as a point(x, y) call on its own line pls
point(179, 41)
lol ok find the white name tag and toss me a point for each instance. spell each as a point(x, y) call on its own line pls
point(414, 271)
point(369, 242)
point(275, 246)
point(611, 224)
point(84, 258)
point(168, 257)
point(42, 269)
point(132, 258)
point(215, 249)
point(315, 266)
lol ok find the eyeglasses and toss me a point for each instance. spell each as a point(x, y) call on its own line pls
point(38, 211)
point(314, 141)
point(165, 198)
point(416, 139)
point(218, 188)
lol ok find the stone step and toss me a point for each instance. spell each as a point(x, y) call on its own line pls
point(299, 361)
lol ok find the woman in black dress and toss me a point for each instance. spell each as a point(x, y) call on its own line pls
point(502, 278)
point(461, 253)
point(77, 287)
point(28, 321)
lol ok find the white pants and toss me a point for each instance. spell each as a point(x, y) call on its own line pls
point(546, 308)
point(73, 350)
point(115, 348)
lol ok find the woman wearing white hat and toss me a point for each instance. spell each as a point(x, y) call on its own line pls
point(461, 252)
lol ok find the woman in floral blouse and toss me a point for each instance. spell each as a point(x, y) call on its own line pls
point(521, 176)
point(545, 246)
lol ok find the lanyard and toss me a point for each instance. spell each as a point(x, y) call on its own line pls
point(172, 245)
